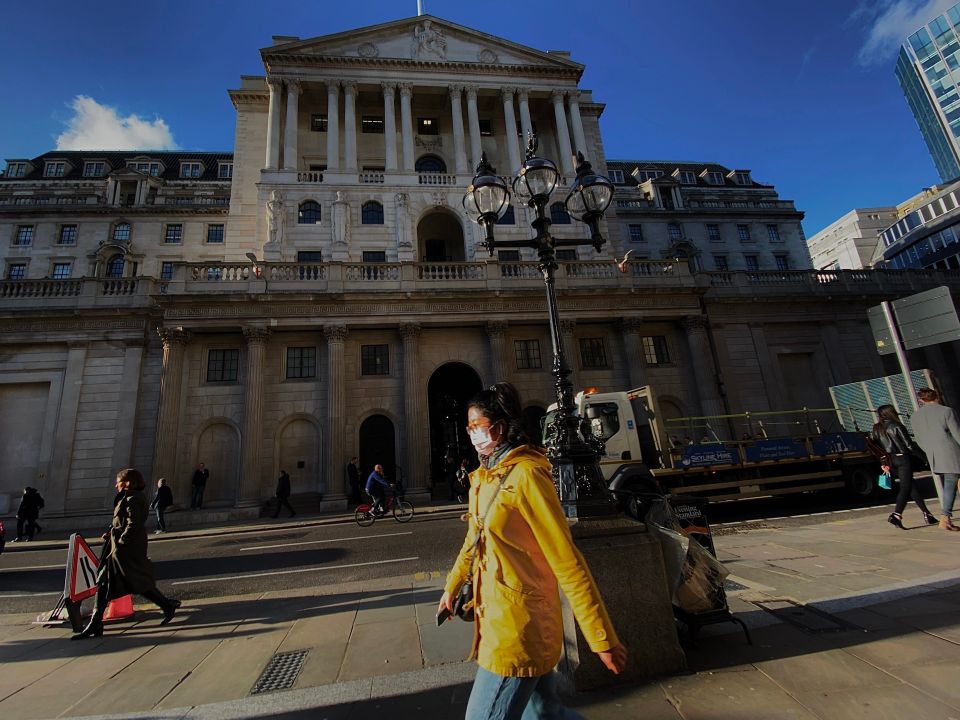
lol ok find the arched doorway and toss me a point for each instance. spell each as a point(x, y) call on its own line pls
point(440, 238)
point(532, 415)
point(218, 448)
point(450, 388)
point(377, 445)
point(298, 452)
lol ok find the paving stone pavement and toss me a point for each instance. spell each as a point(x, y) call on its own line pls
point(862, 621)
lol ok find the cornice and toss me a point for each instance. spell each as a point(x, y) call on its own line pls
point(74, 210)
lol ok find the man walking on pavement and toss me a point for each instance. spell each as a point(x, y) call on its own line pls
point(161, 501)
point(937, 431)
point(197, 486)
point(283, 493)
point(376, 488)
point(353, 479)
point(27, 514)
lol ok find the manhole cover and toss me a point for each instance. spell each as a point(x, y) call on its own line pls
point(806, 618)
point(732, 586)
point(280, 673)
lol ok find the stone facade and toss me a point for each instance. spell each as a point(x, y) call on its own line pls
point(344, 308)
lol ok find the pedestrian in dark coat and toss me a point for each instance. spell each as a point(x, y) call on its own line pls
point(353, 479)
point(127, 570)
point(161, 501)
point(27, 514)
point(197, 485)
point(891, 434)
point(283, 494)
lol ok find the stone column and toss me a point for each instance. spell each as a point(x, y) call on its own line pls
point(406, 125)
point(456, 114)
point(570, 348)
point(123, 439)
point(252, 438)
point(333, 487)
point(526, 124)
point(579, 140)
point(333, 125)
point(473, 118)
point(389, 126)
point(418, 472)
point(168, 414)
point(349, 126)
point(55, 456)
point(563, 135)
point(510, 120)
point(273, 126)
point(632, 332)
point(499, 367)
point(704, 370)
point(290, 159)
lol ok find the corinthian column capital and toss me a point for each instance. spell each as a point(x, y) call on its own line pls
point(410, 330)
point(174, 336)
point(256, 335)
point(335, 333)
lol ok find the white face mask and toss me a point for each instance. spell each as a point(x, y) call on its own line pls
point(482, 442)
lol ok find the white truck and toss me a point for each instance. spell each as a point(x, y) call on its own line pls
point(764, 454)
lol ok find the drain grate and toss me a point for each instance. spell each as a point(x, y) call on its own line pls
point(280, 673)
point(810, 620)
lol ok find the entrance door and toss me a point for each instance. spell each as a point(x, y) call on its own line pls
point(377, 446)
point(450, 389)
point(219, 450)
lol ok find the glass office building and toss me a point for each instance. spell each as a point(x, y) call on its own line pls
point(928, 69)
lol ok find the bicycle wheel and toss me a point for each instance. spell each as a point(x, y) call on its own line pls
point(364, 518)
point(402, 511)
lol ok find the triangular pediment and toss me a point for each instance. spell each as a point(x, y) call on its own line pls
point(420, 39)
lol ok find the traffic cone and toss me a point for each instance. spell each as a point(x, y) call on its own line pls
point(119, 609)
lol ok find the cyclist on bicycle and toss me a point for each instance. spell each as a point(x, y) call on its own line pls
point(376, 489)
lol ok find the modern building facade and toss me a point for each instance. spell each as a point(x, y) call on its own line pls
point(928, 69)
point(338, 303)
point(850, 243)
point(926, 233)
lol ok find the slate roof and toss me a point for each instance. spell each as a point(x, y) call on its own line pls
point(117, 160)
point(668, 167)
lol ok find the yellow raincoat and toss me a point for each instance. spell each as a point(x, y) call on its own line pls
point(524, 552)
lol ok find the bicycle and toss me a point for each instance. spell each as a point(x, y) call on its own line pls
point(401, 509)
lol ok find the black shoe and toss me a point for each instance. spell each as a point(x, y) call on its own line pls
point(94, 628)
point(931, 520)
point(169, 611)
point(894, 520)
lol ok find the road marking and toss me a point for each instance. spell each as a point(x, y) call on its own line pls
point(61, 566)
point(317, 542)
point(291, 572)
point(4, 596)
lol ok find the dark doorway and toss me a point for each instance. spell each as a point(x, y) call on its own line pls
point(450, 389)
point(377, 445)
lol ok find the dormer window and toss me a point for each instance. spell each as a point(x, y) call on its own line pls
point(644, 175)
point(150, 168)
point(616, 176)
point(189, 170)
point(225, 171)
point(712, 177)
point(741, 177)
point(94, 169)
point(686, 177)
point(16, 169)
point(55, 169)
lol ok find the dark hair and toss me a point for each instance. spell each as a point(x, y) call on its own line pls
point(886, 413)
point(132, 477)
point(928, 395)
point(502, 403)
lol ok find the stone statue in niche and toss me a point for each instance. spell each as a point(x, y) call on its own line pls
point(275, 217)
point(427, 41)
point(341, 221)
point(402, 224)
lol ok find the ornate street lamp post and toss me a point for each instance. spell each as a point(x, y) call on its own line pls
point(573, 452)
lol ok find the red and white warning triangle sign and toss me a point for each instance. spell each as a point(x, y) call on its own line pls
point(82, 564)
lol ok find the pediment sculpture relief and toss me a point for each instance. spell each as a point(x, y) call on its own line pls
point(428, 42)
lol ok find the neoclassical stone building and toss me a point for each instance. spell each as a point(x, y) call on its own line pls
point(320, 293)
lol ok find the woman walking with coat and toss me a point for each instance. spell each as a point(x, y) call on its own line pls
point(127, 570)
point(524, 554)
point(893, 437)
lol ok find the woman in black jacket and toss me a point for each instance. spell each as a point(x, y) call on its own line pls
point(893, 437)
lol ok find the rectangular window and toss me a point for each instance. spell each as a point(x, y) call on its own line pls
point(55, 169)
point(374, 256)
point(751, 262)
point(528, 354)
point(310, 256)
point(191, 170)
point(174, 234)
point(688, 177)
point(68, 235)
point(720, 262)
point(675, 232)
point(166, 271)
point(773, 233)
point(93, 169)
point(636, 233)
point(783, 262)
point(150, 168)
point(24, 235)
point(225, 171)
point(616, 176)
point(16, 271)
point(743, 232)
point(566, 255)
point(713, 233)
point(61, 271)
point(486, 127)
point(374, 359)
point(372, 124)
point(223, 365)
point(741, 178)
point(592, 353)
point(508, 255)
point(715, 178)
point(428, 126)
point(318, 123)
point(655, 350)
point(215, 233)
point(16, 169)
point(301, 363)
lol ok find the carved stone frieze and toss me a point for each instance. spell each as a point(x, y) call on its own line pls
point(72, 325)
point(487, 56)
point(368, 50)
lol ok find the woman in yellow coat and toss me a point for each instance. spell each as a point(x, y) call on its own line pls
point(524, 555)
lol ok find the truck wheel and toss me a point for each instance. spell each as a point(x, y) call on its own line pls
point(861, 484)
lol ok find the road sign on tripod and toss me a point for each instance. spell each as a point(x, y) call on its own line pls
point(82, 565)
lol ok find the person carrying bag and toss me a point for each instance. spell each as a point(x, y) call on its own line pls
point(891, 435)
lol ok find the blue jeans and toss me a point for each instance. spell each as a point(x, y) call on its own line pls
point(495, 697)
point(949, 481)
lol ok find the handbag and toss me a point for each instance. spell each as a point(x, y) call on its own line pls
point(463, 604)
point(884, 481)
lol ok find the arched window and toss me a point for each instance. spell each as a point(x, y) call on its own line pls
point(431, 164)
point(508, 217)
point(371, 213)
point(308, 213)
point(115, 265)
point(558, 214)
point(121, 232)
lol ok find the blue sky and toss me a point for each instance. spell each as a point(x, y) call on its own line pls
point(801, 93)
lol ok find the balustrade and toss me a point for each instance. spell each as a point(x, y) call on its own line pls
point(310, 176)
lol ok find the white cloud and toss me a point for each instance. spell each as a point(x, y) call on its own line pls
point(890, 22)
point(100, 127)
